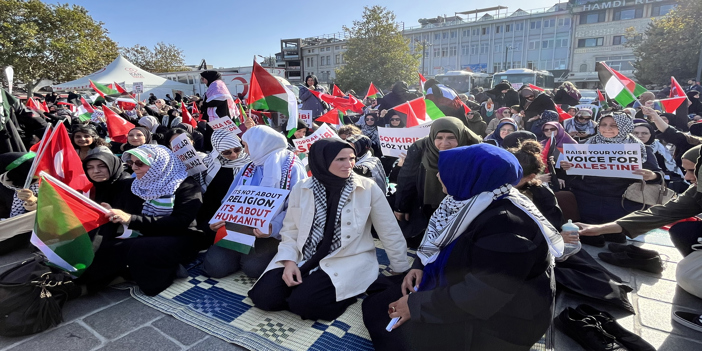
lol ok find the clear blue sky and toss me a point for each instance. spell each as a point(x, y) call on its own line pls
point(229, 33)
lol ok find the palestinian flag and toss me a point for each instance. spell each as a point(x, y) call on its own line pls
point(422, 80)
point(633, 87)
point(334, 116)
point(83, 114)
point(121, 90)
point(372, 92)
point(63, 219)
point(227, 239)
point(267, 93)
point(337, 92)
point(613, 85)
point(602, 100)
point(434, 112)
point(416, 111)
point(103, 89)
point(675, 89)
point(117, 127)
point(670, 105)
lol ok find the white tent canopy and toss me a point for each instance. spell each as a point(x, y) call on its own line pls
point(122, 71)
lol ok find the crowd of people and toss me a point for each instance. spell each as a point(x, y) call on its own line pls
point(481, 200)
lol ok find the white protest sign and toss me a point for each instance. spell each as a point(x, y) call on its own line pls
point(306, 116)
point(394, 141)
point(303, 144)
point(603, 160)
point(138, 87)
point(251, 206)
point(225, 123)
point(184, 150)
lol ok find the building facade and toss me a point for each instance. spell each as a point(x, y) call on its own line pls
point(599, 34)
point(320, 56)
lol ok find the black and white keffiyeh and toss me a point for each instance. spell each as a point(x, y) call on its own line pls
point(320, 217)
point(626, 127)
point(165, 175)
point(17, 203)
point(222, 140)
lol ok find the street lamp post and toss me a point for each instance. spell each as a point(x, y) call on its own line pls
point(507, 48)
point(424, 49)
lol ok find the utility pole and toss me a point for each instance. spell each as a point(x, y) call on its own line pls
point(507, 48)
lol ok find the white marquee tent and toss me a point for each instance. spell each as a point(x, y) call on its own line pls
point(122, 71)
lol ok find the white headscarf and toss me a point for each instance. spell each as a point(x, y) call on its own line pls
point(269, 149)
point(150, 122)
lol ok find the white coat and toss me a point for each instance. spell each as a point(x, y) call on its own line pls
point(354, 266)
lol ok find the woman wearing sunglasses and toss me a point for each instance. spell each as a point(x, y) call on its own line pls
point(272, 165)
point(581, 126)
point(154, 225)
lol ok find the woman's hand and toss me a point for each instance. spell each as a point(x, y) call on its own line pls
point(26, 195)
point(259, 234)
point(215, 226)
point(117, 216)
point(532, 119)
point(291, 274)
point(400, 308)
point(402, 216)
point(249, 122)
point(401, 159)
point(646, 174)
point(570, 239)
point(383, 113)
point(598, 229)
point(411, 281)
point(565, 165)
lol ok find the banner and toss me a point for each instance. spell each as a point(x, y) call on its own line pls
point(184, 150)
point(137, 87)
point(225, 123)
point(303, 144)
point(603, 160)
point(306, 116)
point(394, 141)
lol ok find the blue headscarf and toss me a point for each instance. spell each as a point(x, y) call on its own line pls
point(496, 134)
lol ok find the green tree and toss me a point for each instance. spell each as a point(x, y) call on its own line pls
point(670, 46)
point(377, 52)
point(163, 58)
point(60, 42)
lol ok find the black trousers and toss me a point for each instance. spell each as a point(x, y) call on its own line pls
point(314, 299)
point(151, 262)
point(684, 235)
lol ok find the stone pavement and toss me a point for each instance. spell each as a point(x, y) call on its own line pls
point(112, 320)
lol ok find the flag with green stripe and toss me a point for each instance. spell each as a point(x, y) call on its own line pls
point(613, 85)
point(103, 89)
point(268, 93)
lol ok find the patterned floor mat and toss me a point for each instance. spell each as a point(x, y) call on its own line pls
point(221, 308)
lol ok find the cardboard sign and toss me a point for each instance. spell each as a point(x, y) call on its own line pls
point(603, 160)
point(394, 141)
point(251, 206)
point(138, 87)
point(306, 116)
point(303, 144)
point(184, 150)
point(225, 123)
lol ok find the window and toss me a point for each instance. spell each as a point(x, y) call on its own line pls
point(619, 63)
point(533, 44)
point(562, 43)
point(532, 65)
point(444, 52)
point(453, 34)
point(309, 51)
point(437, 36)
point(584, 43)
point(473, 49)
point(517, 46)
point(336, 47)
point(564, 22)
point(343, 47)
point(328, 60)
point(519, 26)
point(546, 64)
point(592, 17)
point(342, 59)
point(444, 35)
point(549, 23)
point(436, 52)
point(627, 14)
point(474, 31)
point(484, 48)
point(498, 48)
point(337, 59)
point(583, 67)
point(508, 28)
point(535, 25)
point(464, 50)
point(547, 44)
point(560, 64)
point(466, 32)
point(661, 10)
point(497, 29)
point(452, 50)
point(497, 67)
point(618, 40)
point(328, 48)
point(485, 30)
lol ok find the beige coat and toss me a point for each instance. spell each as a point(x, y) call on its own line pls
point(353, 267)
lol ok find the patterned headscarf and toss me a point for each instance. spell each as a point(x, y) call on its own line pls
point(164, 176)
point(626, 127)
point(222, 140)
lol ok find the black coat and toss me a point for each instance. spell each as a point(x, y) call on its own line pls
point(409, 194)
point(541, 103)
point(562, 97)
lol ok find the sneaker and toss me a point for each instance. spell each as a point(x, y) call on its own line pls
point(597, 241)
point(632, 249)
point(633, 260)
point(690, 320)
point(587, 331)
point(630, 340)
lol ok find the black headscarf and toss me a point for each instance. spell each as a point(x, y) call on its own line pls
point(650, 129)
point(147, 134)
point(211, 76)
point(115, 170)
point(361, 143)
point(515, 138)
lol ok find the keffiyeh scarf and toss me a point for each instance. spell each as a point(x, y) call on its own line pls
point(626, 127)
point(17, 203)
point(161, 180)
point(222, 140)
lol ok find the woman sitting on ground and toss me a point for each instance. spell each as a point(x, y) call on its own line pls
point(504, 128)
point(272, 165)
point(674, 176)
point(327, 255)
point(104, 170)
point(87, 142)
point(136, 137)
point(482, 277)
point(155, 232)
point(581, 126)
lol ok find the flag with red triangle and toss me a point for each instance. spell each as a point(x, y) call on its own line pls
point(372, 91)
point(117, 127)
point(631, 85)
point(268, 93)
point(126, 103)
point(103, 89)
point(121, 90)
point(337, 92)
point(187, 118)
point(675, 89)
point(416, 111)
point(61, 161)
point(602, 100)
point(670, 105)
point(422, 80)
point(334, 116)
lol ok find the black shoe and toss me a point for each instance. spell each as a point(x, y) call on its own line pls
point(690, 320)
point(597, 241)
point(632, 260)
point(587, 331)
point(615, 238)
point(632, 249)
point(630, 340)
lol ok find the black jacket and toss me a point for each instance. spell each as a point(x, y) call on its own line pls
point(562, 97)
point(541, 103)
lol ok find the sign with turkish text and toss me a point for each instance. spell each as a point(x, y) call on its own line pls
point(138, 87)
point(303, 144)
point(185, 152)
point(306, 116)
point(394, 141)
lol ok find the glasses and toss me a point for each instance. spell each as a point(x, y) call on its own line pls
point(394, 119)
point(235, 150)
point(137, 163)
point(370, 119)
point(505, 113)
point(584, 118)
point(550, 129)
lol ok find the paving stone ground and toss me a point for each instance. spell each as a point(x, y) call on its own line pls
point(113, 321)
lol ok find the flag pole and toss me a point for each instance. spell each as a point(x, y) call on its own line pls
point(42, 147)
point(73, 192)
